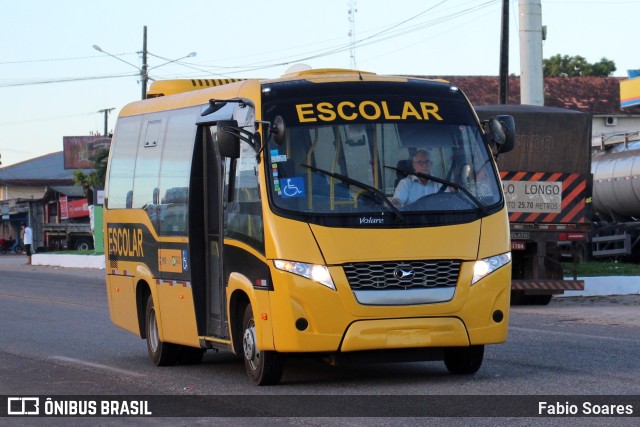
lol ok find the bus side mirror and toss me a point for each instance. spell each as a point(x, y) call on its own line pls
point(501, 131)
point(227, 139)
point(509, 125)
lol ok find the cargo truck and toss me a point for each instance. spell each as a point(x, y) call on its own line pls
point(547, 184)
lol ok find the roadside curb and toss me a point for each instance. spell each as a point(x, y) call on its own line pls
point(68, 260)
point(606, 285)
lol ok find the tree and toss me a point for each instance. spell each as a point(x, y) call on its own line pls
point(572, 66)
point(96, 178)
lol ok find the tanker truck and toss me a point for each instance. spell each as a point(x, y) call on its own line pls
point(547, 184)
point(616, 197)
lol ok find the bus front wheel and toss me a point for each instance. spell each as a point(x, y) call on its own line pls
point(263, 367)
point(464, 360)
point(161, 353)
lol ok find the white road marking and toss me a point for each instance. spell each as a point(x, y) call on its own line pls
point(537, 331)
point(97, 365)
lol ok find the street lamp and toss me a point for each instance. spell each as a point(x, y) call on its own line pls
point(191, 55)
point(144, 70)
point(99, 49)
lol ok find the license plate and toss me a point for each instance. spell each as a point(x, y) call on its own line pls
point(517, 246)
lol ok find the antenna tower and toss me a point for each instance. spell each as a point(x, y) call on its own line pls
point(352, 32)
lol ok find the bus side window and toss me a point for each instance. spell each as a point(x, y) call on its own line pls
point(122, 161)
point(175, 172)
point(147, 169)
point(243, 214)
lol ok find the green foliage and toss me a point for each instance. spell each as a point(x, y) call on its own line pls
point(100, 172)
point(572, 66)
point(603, 268)
point(96, 178)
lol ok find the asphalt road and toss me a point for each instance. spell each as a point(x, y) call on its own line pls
point(56, 338)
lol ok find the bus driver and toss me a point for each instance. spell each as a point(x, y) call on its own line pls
point(412, 188)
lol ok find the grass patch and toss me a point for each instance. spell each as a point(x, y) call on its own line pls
point(603, 268)
point(70, 252)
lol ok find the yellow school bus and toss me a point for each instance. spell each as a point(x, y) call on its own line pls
point(258, 217)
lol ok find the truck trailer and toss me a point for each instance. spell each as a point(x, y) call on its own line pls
point(547, 184)
point(616, 197)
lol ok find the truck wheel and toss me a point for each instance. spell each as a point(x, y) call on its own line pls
point(263, 367)
point(464, 360)
point(83, 245)
point(580, 254)
point(161, 353)
point(542, 299)
point(517, 298)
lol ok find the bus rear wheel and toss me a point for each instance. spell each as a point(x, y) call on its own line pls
point(464, 360)
point(161, 353)
point(263, 367)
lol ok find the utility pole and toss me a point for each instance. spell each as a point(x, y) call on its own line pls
point(531, 36)
point(144, 76)
point(106, 112)
point(503, 91)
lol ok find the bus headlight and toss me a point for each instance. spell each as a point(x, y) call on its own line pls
point(487, 266)
point(317, 273)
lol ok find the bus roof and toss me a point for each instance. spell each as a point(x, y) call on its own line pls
point(180, 93)
point(171, 87)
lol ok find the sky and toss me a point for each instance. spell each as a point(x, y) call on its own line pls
point(53, 83)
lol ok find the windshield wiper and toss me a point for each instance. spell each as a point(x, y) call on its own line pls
point(378, 195)
point(444, 183)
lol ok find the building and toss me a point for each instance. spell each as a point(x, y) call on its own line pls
point(30, 192)
point(599, 96)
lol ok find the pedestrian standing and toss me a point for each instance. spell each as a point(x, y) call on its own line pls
point(27, 240)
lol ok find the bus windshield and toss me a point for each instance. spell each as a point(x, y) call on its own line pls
point(365, 167)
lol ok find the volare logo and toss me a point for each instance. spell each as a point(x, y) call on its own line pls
point(404, 273)
point(371, 220)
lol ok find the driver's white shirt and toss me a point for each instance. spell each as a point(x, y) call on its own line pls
point(410, 189)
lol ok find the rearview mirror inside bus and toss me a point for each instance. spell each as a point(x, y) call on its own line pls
point(277, 130)
point(228, 140)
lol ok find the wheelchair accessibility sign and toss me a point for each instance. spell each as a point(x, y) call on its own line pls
point(292, 187)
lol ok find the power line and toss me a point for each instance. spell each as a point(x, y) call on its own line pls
point(76, 58)
point(42, 119)
point(396, 30)
point(64, 80)
point(373, 39)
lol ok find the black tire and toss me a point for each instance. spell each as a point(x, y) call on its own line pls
point(464, 360)
point(263, 367)
point(542, 299)
point(190, 355)
point(83, 245)
point(3, 250)
point(18, 249)
point(517, 298)
point(160, 353)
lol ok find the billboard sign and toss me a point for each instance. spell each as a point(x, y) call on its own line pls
point(630, 92)
point(79, 150)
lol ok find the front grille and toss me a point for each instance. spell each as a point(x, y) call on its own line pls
point(402, 275)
